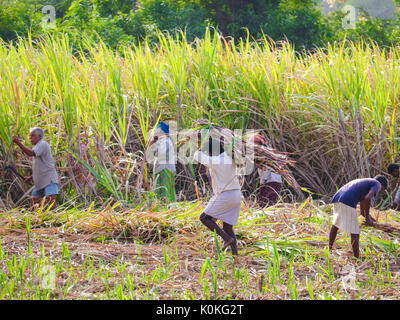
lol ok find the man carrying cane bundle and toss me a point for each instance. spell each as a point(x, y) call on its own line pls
point(226, 202)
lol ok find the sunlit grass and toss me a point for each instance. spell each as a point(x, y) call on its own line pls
point(335, 105)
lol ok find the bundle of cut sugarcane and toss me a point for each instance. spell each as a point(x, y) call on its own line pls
point(266, 158)
point(244, 151)
point(386, 228)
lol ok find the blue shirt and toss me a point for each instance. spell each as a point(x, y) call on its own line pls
point(355, 191)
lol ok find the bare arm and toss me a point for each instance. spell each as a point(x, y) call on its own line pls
point(26, 150)
point(365, 205)
point(369, 195)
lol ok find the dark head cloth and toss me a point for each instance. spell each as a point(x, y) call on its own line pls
point(164, 127)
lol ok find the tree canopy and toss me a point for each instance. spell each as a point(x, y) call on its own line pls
point(129, 21)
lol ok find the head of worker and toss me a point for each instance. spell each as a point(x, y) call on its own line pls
point(161, 130)
point(35, 135)
point(394, 170)
point(383, 181)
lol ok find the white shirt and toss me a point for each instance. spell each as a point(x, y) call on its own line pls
point(43, 169)
point(267, 176)
point(222, 171)
point(164, 155)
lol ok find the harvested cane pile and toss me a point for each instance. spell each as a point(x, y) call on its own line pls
point(386, 228)
point(244, 151)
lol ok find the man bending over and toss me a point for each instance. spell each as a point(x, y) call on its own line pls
point(344, 208)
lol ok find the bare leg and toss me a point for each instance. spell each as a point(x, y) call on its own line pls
point(228, 228)
point(355, 240)
point(210, 224)
point(332, 236)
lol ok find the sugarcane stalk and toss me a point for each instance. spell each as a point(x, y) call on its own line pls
point(14, 169)
point(386, 227)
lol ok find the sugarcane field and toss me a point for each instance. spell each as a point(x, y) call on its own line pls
point(184, 167)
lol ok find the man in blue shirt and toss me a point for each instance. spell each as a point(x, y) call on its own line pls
point(344, 207)
point(164, 163)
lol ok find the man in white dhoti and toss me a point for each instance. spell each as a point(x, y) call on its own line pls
point(344, 207)
point(226, 202)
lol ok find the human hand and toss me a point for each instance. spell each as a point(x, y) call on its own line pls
point(28, 179)
point(15, 140)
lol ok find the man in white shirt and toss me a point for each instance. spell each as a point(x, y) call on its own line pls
point(44, 174)
point(226, 202)
point(270, 182)
point(270, 186)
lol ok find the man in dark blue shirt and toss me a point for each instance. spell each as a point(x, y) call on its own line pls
point(344, 207)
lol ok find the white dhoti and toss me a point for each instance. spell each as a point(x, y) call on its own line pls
point(346, 218)
point(225, 206)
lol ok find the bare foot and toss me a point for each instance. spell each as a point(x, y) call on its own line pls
point(227, 243)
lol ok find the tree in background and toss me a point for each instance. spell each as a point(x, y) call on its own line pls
point(302, 22)
point(120, 22)
point(230, 16)
point(383, 30)
point(173, 15)
point(106, 18)
point(17, 17)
